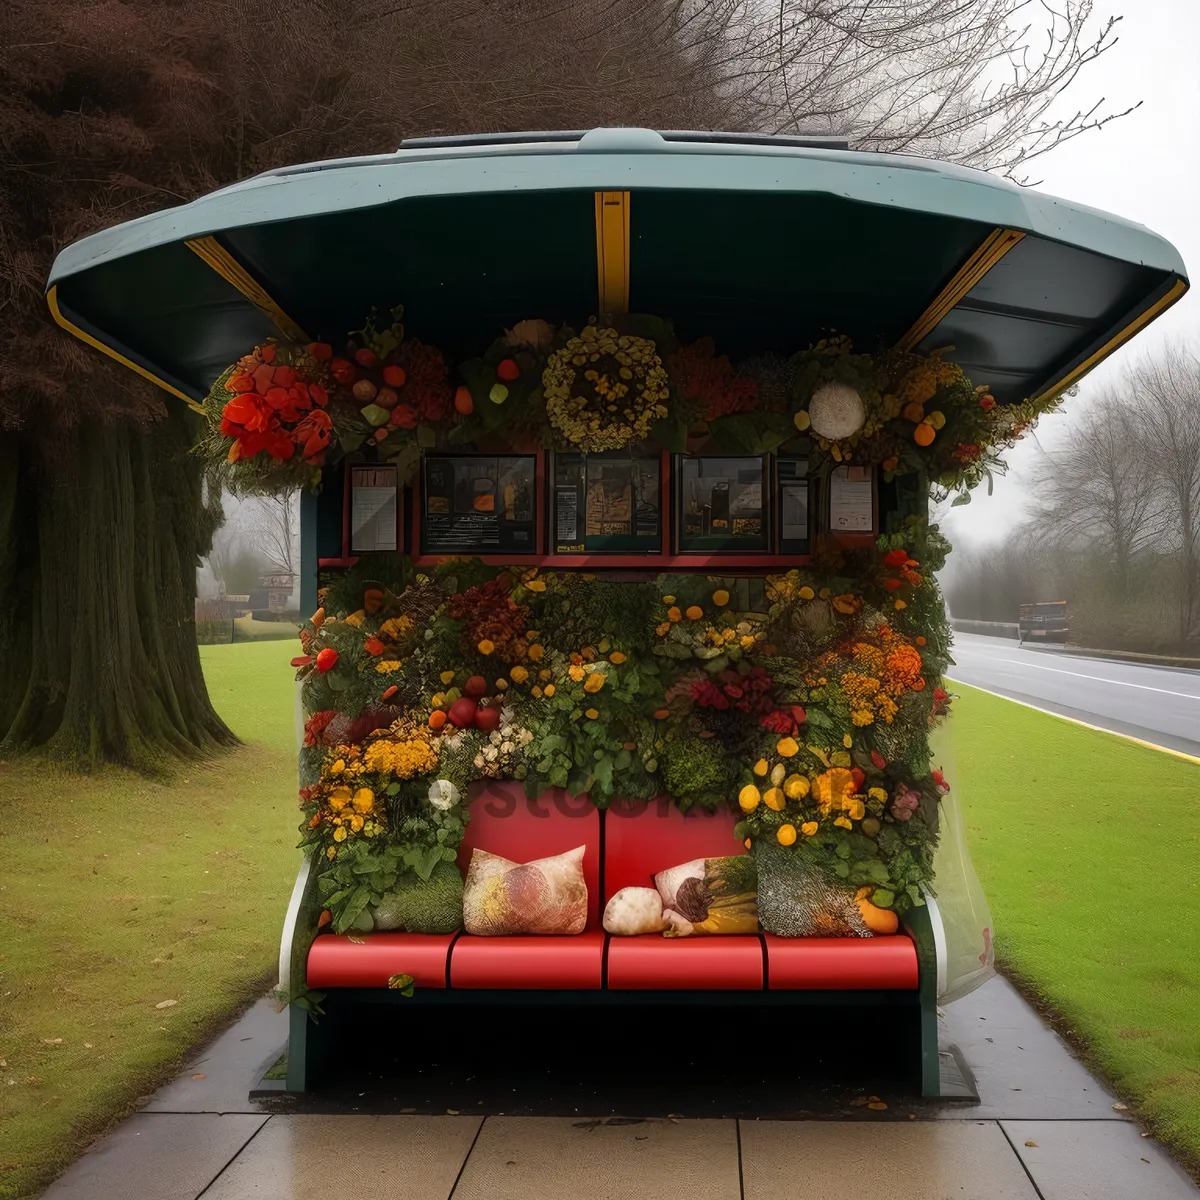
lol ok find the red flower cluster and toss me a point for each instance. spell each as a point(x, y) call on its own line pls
point(274, 409)
point(711, 382)
point(746, 693)
point(784, 722)
point(967, 452)
point(941, 701)
point(899, 562)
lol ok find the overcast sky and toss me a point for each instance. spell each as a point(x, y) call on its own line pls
point(1144, 167)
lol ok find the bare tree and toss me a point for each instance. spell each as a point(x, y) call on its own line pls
point(275, 532)
point(1096, 489)
point(972, 81)
point(1164, 391)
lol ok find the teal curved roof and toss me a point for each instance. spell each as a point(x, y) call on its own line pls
point(761, 243)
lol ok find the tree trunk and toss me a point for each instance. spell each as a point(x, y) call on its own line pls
point(99, 540)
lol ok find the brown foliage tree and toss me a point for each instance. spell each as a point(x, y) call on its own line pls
point(113, 108)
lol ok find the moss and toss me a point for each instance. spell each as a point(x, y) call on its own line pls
point(424, 906)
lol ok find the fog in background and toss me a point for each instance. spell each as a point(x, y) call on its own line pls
point(1144, 167)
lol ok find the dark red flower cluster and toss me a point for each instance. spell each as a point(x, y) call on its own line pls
point(941, 701)
point(275, 409)
point(711, 382)
point(315, 726)
point(967, 452)
point(491, 615)
point(730, 689)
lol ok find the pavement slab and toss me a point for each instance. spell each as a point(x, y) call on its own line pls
point(218, 1079)
point(923, 1160)
point(312, 1157)
point(1023, 1069)
point(516, 1158)
point(1097, 1160)
point(157, 1156)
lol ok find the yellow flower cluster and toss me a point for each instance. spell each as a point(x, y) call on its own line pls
point(604, 390)
point(402, 757)
point(923, 381)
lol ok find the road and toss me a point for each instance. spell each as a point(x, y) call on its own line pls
point(1158, 704)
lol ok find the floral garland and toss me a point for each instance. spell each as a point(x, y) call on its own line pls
point(604, 390)
point(278, 415)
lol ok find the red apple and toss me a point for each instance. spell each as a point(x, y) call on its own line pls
point(394, 376)
point(487, 719)
point(475, 686)
point(463, 712)
point(366, 358)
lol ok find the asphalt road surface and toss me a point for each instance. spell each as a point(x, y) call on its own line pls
point(1158, 704)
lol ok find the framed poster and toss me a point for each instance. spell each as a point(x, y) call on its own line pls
point(606, 504)
point(479, 504)
point(794, 511)
point(374, 509)
point(721, 504)
point(852, 500)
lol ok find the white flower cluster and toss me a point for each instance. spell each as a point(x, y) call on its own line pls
point(495, 755)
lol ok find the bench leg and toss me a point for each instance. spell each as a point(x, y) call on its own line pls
point(920, 927)
point(307, 1044)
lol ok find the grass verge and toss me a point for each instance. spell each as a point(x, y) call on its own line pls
point(1090, 857)
point(119, 894)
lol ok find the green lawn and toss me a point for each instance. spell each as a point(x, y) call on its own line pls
point(1089, 851)
point(118, 894)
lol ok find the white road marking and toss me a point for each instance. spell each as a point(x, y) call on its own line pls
point(1018, 662)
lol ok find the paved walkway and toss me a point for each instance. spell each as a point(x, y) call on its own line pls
point(1044, 1130)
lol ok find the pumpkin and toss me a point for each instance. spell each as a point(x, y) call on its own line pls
point(877, 920)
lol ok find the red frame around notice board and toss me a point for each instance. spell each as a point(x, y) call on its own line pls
point(661, 562)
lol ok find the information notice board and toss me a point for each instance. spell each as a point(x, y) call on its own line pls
point(794, 510)
point(606, 504)
point(722, 504)
point(374, 509)
point(479, 504)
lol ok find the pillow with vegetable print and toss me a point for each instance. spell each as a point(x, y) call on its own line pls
point(710, 896)
point(547, 896)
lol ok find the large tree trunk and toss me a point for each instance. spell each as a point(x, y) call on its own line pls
point(99, 539)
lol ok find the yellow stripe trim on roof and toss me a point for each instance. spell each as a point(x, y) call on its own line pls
point(995, 246)
point(1118, 340)
point(612, 250)
point(57, 314)
point(225, 265)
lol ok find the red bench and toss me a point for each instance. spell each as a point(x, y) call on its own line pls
point(625, 847)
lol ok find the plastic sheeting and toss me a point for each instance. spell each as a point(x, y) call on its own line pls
point(962, 921)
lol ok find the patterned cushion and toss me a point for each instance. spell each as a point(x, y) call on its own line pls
point(547, 896)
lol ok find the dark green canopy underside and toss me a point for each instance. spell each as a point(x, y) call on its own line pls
point(755, 269)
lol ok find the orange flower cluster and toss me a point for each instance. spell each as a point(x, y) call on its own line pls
point(873, 675)
point(278, 407)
